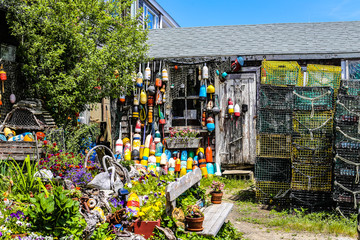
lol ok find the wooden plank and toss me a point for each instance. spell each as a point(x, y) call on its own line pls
point(18, 157)
point(175, 189)
point(18, 150)
point(214, 218)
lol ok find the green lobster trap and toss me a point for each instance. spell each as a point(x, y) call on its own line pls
point(350, 87)
point(272, 192)
point(276, 97)
point(312, 150)
point(273, 145)
point(345, 191)
point(348, 111)
point(313, 124)
point(345, 168)
point(311, 177)
point(312, 201)
point(274, 121)
point(313, 98)
point(323, 76)
point(354, 69)
point(345, 140)
point(273, 169)
point(281, 73)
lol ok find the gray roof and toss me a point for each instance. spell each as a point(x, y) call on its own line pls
point(263, 39)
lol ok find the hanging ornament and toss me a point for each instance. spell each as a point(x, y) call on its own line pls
point(158, 96)
point(147, 147)
point(205, 72)
point(216, 108)
point(158, 81)
point(165, 76)
point(162, 120)
point(236, 66)
point(210, 89)
point(237, 110)
point(139, 78)
point(209, 153)
point(143, 97)
point(147, 73)
point(3, 76)
point(199, 76)
point(210, 125)
point(230, 106)
point(203, 120)
point(202, 94)
point(138, 126)
point(164, 97)
point(122, 98)
point(223, 77)
point(12, 98)
point(135, 112)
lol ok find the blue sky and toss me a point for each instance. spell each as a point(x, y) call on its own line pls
point(194, 13)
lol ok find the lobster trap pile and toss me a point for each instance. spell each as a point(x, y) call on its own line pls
point(295, 135)
point(347, 144)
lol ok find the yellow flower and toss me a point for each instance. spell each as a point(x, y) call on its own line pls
point(156, 209)
point(158, 203)
point(141, 214)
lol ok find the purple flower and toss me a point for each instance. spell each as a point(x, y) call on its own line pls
point(1, 234)
point(155, 194)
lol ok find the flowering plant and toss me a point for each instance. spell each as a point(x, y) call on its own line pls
point(184, 133)
point(217, 186)
point(153, 207)
point(193, 211)
point(16, 222)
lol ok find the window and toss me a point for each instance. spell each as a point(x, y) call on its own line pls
point(152, 18)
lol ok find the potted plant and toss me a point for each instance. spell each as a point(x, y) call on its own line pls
point(194, 218)
point(216, 193)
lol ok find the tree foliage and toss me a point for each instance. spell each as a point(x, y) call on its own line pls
point(70, 50)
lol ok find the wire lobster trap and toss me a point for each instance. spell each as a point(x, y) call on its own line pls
point(312, 150)
point(323, 76)
point(312, 201)
point(352, 155)
point(311, 177)
point(354, 69)
point(313, 98)
point(272, 192)
point(281, 73)
point(350, 87)
point(345, 209)
point(273, 145)
point(309, 123)
point(276, 97)
point(274, 121)
point(348, 111)
point(347, 138)
point(346, 169)
point(273, 170)
point(345, 191)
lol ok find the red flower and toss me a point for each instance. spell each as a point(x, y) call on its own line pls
point(54, 144)
point(60, 174)
point(45, 142)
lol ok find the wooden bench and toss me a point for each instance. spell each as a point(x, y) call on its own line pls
point(214, 215)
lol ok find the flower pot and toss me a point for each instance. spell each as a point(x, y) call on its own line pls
point(194, 224)
point(19, 236)
point(216, 197)
point(145, 228)
point(173, 143)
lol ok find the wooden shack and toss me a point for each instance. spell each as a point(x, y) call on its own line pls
point(307, 43)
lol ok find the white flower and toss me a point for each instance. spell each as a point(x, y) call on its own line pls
point(19, 223)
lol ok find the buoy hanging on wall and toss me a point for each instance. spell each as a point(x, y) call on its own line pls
point(12, 98)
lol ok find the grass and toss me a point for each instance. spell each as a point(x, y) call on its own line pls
point(320, 222)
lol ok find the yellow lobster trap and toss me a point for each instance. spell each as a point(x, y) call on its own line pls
point(273, 145)
point(313, 123)
point(323, 76)
point(312, 150)
point(281, 73)
point(311, 177)
point(272, 192)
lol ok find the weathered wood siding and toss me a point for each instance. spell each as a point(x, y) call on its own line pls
point(236, 137)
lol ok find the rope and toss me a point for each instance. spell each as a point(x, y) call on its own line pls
point(347, 136)
point(311, 130)
point(350, 111)
point(311, 177)
point(341, 213)
point(348, 190)
point(357, 165)
point(312, 100)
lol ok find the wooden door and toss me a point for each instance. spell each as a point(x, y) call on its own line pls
point(236, 136)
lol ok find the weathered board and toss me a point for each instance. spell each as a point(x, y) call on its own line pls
point(19, 150)
point(214, 218)
point(236, 137)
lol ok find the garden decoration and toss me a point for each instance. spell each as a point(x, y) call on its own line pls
point(103, 180)
point(216, 108)
point(119, 146)
point(3, 77)
point(208, 152)
point(216, 193)
point(147, 76)
point(210, 125)
point(139, 78)
point(194, 219)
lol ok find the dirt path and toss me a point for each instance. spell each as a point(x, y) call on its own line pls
point(255, 231)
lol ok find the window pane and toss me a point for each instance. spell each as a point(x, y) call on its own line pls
point(151, 19)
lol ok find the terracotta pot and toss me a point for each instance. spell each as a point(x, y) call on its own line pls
point(194, 224)
point(216, 197)
point(145, 228)
point(19, 236)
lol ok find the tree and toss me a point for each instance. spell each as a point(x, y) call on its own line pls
point(75, 52)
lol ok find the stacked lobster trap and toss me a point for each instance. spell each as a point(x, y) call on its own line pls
point(295, 134)
point(274, 127)
point(346, 192)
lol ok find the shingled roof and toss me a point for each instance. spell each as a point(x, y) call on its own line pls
point(263, 39)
